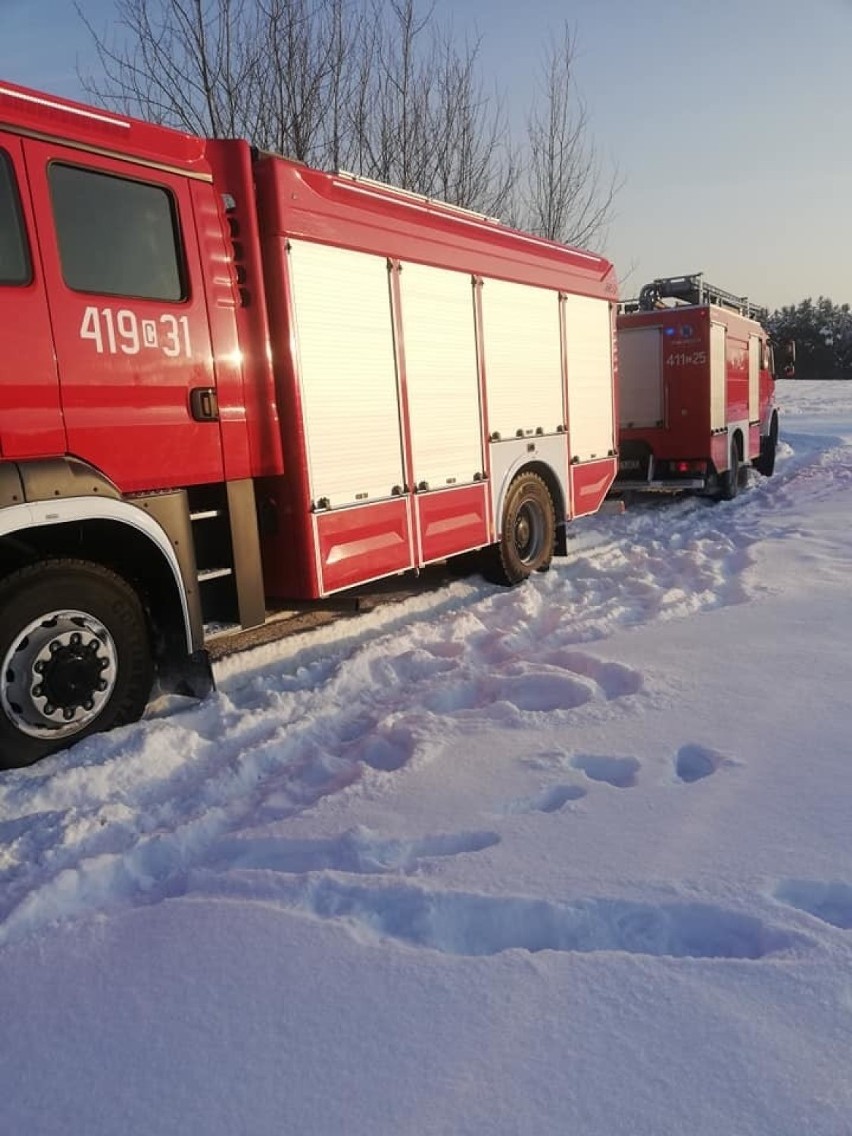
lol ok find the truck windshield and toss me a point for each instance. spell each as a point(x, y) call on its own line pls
point(14, 258)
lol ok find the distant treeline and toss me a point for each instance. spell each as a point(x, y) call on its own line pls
point(823, 335)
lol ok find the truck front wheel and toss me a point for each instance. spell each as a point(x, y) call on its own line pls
point(75, 657)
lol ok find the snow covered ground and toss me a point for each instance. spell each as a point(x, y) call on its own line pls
point(572, 858)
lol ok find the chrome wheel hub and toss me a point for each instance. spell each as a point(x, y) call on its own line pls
point(529, 533)
point(58, 674)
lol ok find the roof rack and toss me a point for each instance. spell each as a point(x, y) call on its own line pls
point(692, 290)
point(385, 189)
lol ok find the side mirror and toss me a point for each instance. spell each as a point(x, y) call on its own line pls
point(783, 358)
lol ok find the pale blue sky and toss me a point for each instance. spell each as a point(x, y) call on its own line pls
point(728, 122)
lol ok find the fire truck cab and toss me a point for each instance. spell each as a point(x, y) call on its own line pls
point(696, 389)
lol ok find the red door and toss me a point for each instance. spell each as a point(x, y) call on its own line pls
point(130, 326)
point(30, 414)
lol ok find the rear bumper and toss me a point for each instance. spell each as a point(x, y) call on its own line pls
point(658, 485)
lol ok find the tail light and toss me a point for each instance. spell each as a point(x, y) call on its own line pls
point(697, 467)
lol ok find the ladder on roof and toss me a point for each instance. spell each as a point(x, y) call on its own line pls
point(693, 289)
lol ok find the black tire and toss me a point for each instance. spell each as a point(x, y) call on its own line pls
point(528, 535)
point(729, 481)
point(75, 657)
point(765, 463)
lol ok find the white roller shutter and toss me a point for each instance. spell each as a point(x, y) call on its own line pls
point(347, 372)
point(718, 376)
point(439, 339)
point(588, 330)
point(640, 376)
point(753, 378)
point(523, 358)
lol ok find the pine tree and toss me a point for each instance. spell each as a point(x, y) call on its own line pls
point(822, 332)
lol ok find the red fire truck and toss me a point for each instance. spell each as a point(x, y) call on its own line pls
point(696, 389)
point(227, 379)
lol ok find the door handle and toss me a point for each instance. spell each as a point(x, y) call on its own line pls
point(203, 404)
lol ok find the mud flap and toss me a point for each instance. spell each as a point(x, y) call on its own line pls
point(190, 676)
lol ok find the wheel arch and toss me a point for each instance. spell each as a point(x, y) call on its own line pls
point(547, 474)
point(118, 535)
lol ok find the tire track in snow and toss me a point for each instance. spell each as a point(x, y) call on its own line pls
point(366, 722)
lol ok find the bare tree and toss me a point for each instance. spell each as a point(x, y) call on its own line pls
point(567, 197)
point(375, 86)
point(424, 122)
point(186, 63)
point(273, 71)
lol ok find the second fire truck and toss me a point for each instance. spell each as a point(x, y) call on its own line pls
point(696, 389)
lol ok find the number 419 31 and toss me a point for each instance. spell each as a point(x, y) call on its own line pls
point(121, 331)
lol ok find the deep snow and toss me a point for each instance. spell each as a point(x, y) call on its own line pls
point(571, 858)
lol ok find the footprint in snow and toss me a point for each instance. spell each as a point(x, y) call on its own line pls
point(358, 851)
point(559, 680)
point(615, 680)
point(458, 923)
point(549, 800)
point(620, 772)
point(695, 762)
point(829, 902)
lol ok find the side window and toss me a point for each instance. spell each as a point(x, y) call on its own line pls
point(116, 237)
point(14, 255)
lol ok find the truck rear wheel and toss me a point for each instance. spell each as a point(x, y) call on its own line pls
point(528, 536)
point(765, 462)
point(729, 481)
point(75, 657)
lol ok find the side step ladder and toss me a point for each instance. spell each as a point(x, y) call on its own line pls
point(227, 554)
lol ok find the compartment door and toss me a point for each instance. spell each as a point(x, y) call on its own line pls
point(718, 376)
point(442, 376)
point(346, 366)
point(753, 378)
point(640, 377)
point(588, 349)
